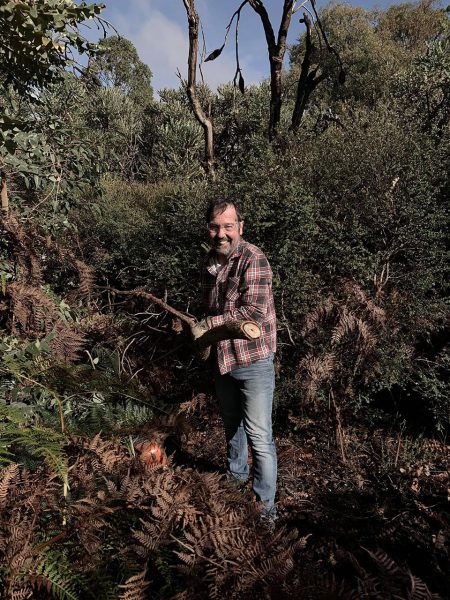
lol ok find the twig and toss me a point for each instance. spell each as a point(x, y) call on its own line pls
point(4, 195)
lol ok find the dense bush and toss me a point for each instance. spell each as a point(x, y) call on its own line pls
point(358, 205)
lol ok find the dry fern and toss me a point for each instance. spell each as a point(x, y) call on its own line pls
point(35, 314)
point(135, 587)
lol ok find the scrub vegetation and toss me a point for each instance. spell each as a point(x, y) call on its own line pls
point(112, 461)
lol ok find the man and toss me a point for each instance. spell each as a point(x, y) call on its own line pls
point(237, 284)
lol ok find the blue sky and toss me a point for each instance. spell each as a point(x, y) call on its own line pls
point(158, 29)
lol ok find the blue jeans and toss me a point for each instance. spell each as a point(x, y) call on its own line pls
point(245, 398)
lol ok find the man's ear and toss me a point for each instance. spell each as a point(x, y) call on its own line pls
point(241, 227)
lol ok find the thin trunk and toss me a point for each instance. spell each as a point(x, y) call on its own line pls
point(191, 88)
point(307, 82)
point(276, 49)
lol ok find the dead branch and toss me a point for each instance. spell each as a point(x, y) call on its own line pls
point(276, 49)
point(191, 88)
point(307, 81)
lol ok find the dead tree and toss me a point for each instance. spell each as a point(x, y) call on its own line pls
point(310, 76)
point(308, 81)
point(191, 87)
point(276, 48)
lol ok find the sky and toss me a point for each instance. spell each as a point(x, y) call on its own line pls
point(158, 29)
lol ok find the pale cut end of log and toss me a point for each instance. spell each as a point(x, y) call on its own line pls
point(230, 330)
point(251, 330)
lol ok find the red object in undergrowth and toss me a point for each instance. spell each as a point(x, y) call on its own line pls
point(152, 453)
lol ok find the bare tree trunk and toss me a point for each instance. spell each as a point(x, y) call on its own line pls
point(191, 88)
point(276, 49)
point(307, 81)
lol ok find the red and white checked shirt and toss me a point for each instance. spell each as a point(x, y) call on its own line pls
point(241, 289)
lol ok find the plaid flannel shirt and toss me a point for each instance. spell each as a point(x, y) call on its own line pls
point(241, 289)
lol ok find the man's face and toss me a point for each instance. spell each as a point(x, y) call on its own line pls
point(225, 231)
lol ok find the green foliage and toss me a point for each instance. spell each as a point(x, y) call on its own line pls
point(39, 151)
point(37, 41)
point(424, 90)
point(54, 573)
point(118, 65)
point(158, 244)
point(375, 47)
point(118, 105)
point(45, 155)
point(26, 442)
point(411, 25)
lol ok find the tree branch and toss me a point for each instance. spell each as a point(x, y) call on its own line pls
point(191, 88)
point(284, 26)
point(276, 50)
point(301, 96)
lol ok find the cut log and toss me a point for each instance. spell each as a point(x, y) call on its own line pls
point(230, 330)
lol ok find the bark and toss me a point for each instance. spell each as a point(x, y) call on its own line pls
point(307, 81)
point(276, 49)
point(191, 88)
point(230, 330)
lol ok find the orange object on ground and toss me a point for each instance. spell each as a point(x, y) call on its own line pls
point(151, 453)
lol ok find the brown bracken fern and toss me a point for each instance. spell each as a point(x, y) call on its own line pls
point(31, 311)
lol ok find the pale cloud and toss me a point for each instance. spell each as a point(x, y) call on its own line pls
point(162, 43)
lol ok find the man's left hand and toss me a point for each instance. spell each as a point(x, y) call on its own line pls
point(199, 329)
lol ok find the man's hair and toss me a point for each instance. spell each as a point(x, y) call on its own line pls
point(219, 205)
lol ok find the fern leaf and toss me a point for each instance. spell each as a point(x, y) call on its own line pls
point(57, 578)
point(135, 587)
point(8, 475)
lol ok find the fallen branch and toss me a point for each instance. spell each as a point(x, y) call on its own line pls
point(230, 330)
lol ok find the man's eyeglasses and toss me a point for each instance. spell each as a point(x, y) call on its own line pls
point(215, 228)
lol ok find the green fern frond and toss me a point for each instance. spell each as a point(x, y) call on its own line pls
point(56, 576)
point(19, 440)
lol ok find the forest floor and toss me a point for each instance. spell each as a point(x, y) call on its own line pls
point(376, 522)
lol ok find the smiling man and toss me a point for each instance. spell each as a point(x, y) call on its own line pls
point(237, 284)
